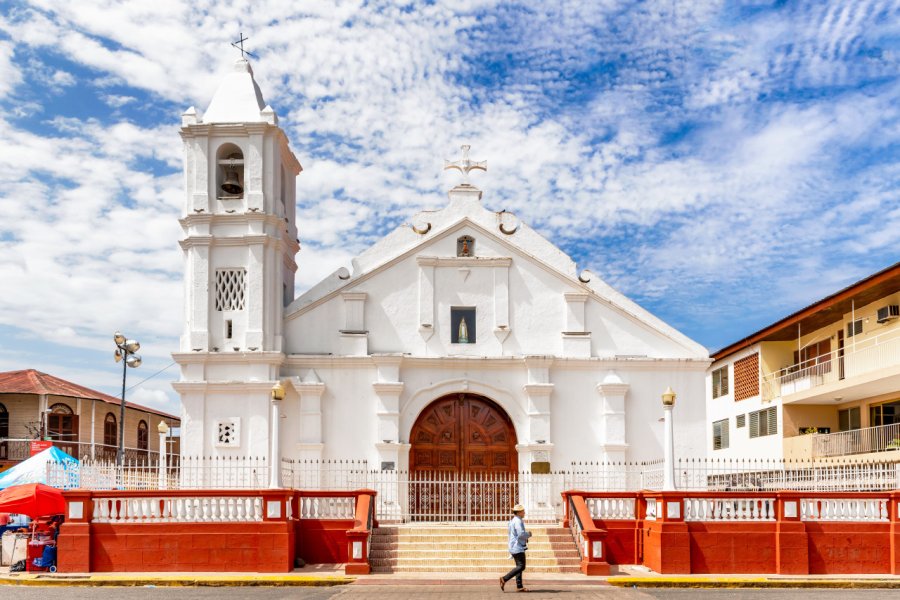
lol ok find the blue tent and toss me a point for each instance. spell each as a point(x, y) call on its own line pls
point(34, 470)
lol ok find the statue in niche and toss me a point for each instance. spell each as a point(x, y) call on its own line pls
point(463, 332)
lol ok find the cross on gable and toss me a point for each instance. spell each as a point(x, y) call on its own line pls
point(240, 46)
point(464, 165)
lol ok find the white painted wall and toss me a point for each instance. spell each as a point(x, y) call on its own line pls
point(741, 446)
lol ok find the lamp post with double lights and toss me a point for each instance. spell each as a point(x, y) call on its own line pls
point(125, 352)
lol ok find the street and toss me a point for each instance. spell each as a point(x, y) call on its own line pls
point(432, 592)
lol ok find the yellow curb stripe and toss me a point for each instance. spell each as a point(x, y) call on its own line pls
point(178, 581)
point(751, 582)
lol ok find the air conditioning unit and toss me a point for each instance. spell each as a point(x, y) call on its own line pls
point(886, 313)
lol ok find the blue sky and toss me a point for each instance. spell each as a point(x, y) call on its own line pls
point(722, 163)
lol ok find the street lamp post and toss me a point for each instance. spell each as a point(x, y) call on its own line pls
point(275, 450)
point(668, 400)
point(163, 430)
point(125, 352)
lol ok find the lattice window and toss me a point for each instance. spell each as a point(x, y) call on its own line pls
point(746, 377)
point(230, 287)
point(228, 432)
point(720, 434)
point(720, 382)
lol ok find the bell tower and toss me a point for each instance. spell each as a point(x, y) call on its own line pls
point(239, 248)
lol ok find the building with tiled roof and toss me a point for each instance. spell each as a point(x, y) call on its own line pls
point(79, 420)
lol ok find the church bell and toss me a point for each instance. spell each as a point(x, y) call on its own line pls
point(232, 185)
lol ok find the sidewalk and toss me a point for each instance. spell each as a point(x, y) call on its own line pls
point(331, 575)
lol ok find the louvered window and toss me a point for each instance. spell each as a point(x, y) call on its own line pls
point(741, 421)
point(720, 382)
point(720, 434)
point(763, 422)
point(854, 328)
point(230, 287)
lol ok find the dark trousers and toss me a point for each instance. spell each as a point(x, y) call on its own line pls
point(517, 571)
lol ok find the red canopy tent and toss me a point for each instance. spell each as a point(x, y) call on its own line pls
point(32, 499)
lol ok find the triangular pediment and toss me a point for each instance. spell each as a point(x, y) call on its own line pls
point(432, 235)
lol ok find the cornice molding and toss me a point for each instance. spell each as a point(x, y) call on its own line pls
point(463, 261)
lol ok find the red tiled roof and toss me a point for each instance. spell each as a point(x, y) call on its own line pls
point(31, 381)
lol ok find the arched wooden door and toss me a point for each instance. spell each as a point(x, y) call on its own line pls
point(463, 460)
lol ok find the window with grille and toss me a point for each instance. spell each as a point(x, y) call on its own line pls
point(110, 431)
point(228, 432)
point(741, 421)
point(854, 328)
point(4, 422)
point(763, 422)
point(230, 287)
point(720, 434)
point(143, 437)
point(746, 377)
point(720, 382)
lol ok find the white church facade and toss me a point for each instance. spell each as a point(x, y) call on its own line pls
point(461, 342)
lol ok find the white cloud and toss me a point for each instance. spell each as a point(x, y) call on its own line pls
point(10, 74)
point(373, 98)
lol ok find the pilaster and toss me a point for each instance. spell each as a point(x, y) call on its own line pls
point(612, 391)
point(309, 435)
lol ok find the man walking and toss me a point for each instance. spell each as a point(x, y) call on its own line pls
point(518, 544)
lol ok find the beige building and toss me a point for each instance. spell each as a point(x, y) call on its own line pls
point(78, 420)
point(823, 382)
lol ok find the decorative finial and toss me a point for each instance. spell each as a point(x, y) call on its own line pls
point(240, 46)
point(464, 165)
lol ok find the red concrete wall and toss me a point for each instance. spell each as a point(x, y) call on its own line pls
point(266, 547)
point(737, 547)
point(667, 547)
point(621, 541)
point(841, 548)
point(322, 541)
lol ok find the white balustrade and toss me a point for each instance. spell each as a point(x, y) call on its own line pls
point(729, 509)
point(844, 509)
point(327, 507)
point(179, 509)
point(611, 508)
point(651, 509)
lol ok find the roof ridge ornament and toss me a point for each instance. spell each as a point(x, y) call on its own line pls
point(464, 165)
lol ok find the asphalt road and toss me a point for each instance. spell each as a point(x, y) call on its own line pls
point(429, 592)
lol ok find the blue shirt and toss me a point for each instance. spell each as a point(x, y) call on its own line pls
point(518, 535)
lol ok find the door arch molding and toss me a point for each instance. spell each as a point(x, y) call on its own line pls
point(464, 434)
point(413, 407)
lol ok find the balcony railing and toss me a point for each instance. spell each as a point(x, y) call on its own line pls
point(868, 355)
point(19, 449)
point(857, 441)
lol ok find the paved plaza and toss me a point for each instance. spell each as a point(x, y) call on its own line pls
point(414, 590)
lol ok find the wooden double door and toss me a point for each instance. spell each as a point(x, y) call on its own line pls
point(463, 461)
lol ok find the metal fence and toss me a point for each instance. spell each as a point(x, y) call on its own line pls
point(187, 473)
point(405, 496)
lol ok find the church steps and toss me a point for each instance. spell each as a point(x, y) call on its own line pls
point(461, 547)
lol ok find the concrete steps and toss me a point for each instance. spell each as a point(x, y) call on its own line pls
point(461, 547)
